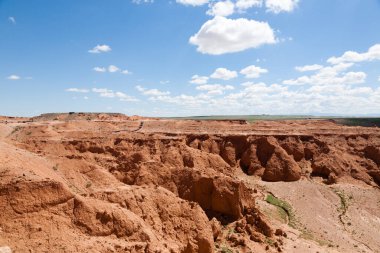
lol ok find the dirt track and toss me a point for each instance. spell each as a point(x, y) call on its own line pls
point(110, 183)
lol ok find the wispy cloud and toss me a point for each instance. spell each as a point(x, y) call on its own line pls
point(112, 69)
point(126, 72)
point(107, 93)
point(192, 2)
point(308, 68)
point(151, 92)
point(142, 1)
point(13, 77)
point(12, 20)
point(77, 90)
point(100, 69)
point(214, 89)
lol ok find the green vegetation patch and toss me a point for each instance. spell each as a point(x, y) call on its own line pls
point(285, 209)
point(343, 202)
point(366, 122)
point(307, 235)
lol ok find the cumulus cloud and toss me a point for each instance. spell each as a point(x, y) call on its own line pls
point(277, 6)
point(214, 89)
point(308, 68)
point(13, 77)
point(192, 2)
point(253, 71)
point(196, 79)
point(100, 49)
point(151, 92)
point(222, 8)
point(372, 54)
point(224, 74)
point(221, 35)
point(77, 90)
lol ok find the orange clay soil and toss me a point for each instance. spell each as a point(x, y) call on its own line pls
point(112, 183)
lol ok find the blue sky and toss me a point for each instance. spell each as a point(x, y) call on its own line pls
point(190, 57)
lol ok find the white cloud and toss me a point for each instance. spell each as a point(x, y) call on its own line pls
point(214, 89)
point(221, 35)
point(328, 89)
point(100, 49)
point(151, 92)
point(196, 79)
point(124, 97)
point(12, 20)
point(77, 90)
point(378, 79)
point(13, 77)
point(113, 69)
point(192, 2)
point(104, 92)
point(142, 1)
point(253, 71)
point(188, 101)
point(246, 4)
point(224, 74)
point(308, 68)
point(277, 6)
point(254, 89)
point(372, 54)
point(334, 75)
point(258, 98)
point(222, 8)
point(86, 98)
point(100, 69)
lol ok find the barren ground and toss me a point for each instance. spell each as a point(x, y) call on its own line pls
point(112, 183)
